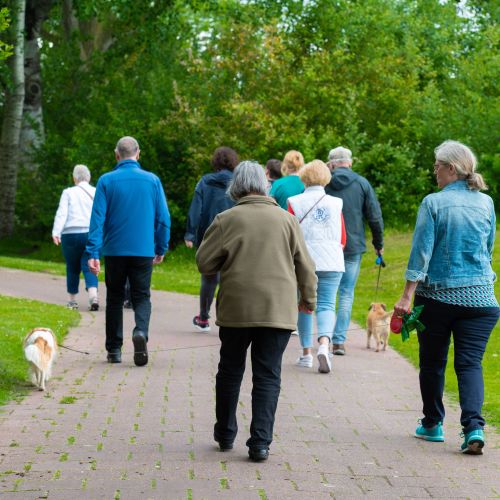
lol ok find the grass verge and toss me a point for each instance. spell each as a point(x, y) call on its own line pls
point(19, 317)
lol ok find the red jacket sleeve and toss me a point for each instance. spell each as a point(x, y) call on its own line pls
point(343, 237)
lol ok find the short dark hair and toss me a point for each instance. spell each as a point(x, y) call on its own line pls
point(274, 168)
point(225, 158)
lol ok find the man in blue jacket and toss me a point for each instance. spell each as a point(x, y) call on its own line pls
point(360, 205)
point(130, 226)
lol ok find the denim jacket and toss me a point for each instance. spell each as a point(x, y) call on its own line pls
point(453, 239)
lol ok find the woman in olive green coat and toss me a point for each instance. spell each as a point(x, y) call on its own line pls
point(260, 252)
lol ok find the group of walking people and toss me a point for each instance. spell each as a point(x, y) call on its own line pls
point(282, 247)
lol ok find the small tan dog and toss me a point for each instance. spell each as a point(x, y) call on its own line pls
point(378, 323)
point(40, 349)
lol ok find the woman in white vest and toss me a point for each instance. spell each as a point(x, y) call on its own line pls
point(320, 217)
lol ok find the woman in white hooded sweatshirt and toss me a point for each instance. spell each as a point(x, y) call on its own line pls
point(321, 220)
point(71, 229)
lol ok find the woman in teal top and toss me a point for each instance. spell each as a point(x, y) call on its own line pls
point(290, 184)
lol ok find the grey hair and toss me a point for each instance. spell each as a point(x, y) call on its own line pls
point(248, 178)
point(81, 173)
point(464, 161)
point(126, 147)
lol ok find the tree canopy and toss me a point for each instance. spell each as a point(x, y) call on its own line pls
point(389, 79)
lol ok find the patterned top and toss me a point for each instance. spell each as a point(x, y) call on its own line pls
point(467, 296)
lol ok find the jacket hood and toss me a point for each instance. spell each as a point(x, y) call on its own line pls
point(219, 179)
point(342, 177)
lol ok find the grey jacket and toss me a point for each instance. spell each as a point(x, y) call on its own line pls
point(360, 205)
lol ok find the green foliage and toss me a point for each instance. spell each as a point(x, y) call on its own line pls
point(5, 48)
point(19, 317)
point(389, 79)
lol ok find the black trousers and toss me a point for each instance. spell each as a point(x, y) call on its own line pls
point(138, 270)
point(471, 328)
point(268, 345)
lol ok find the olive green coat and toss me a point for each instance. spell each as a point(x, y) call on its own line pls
point(260, 252)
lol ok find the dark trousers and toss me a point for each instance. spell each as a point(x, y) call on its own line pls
point(73, 248)
point(268, 345)
point(138, 270)
point(209, 283)
point(471, 328)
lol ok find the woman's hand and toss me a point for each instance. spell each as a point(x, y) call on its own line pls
point(56, 240)
point(404, 303)
point(304, 309)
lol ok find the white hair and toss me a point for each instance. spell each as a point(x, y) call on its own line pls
point(464, 161)
point(340, 155)
point(81, 173)
point(126, 147)
point(248, 178)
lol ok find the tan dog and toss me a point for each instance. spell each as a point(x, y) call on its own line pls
point(377, 324)
point(40, 349)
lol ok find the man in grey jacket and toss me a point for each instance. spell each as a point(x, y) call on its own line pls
point(360, 206)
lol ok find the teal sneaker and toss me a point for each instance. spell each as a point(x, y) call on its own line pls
point(473, 442)
point(435, 433)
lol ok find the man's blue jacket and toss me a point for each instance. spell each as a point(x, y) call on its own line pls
point(130, 214)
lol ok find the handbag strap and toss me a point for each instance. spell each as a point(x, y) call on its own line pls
point(86, 192)
point(307, 213)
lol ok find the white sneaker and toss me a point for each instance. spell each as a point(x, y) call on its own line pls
point(305, 361)
point(325, 365)
point(295, 332)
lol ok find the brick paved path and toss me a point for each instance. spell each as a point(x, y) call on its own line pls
point(146, 433)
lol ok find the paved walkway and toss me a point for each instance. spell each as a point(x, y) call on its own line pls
point(146, 433)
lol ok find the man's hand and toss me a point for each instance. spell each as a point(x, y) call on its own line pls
point(188, 243)
point(94, 266)
point(379, 252)
point(56, 240)
point(157, 259)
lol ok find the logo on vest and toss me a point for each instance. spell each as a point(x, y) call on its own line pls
point(321, 215)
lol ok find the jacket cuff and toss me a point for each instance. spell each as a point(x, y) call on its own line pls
point(415, 275)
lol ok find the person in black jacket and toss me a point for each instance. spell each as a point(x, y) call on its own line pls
point(209, 199)
point(360, 205)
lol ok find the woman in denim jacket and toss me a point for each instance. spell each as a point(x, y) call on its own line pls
point(450, 274)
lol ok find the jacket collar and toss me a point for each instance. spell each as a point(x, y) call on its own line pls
point(256, 198)
point(460, 185)
point(314, 188)
point(127, 164)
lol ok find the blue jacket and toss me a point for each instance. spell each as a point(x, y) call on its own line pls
point(453, 239)
point(360, 204)
point(209, 199)
point(130, 214)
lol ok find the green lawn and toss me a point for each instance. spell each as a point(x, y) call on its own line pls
point(19, 317)
point(178, 273)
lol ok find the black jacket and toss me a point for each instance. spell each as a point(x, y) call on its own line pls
point(360, 205)
point(209, 199)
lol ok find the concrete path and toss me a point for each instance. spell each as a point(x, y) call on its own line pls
point(146, 433)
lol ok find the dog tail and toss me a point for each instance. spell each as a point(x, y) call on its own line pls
point(34, 355)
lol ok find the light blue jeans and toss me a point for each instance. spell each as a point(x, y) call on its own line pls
point(328, 283)
point(346, 297)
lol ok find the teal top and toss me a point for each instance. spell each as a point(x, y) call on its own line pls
point(284, 188)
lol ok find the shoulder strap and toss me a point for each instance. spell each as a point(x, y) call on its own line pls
point(307, 213)
point(86, 192)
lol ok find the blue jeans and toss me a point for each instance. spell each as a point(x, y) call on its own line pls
point(328, 283)
point(346, 297)
point(73, 248)
point(471, 328)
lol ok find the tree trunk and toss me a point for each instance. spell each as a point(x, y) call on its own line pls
point(12, 120)
point(33, 132)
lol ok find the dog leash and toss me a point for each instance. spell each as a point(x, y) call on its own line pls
point(71, 349)
point(381, 263)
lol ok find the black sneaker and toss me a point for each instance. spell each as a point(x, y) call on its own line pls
point(201, 324)
point(140, 348)
point(258, 454)
point(114, 356)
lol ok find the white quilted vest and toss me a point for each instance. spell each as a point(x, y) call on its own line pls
point(322, 227)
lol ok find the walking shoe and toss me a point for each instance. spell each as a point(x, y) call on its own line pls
point(473, 442)
point(127, 304)
point(201, 324)
point(140, 348)
point(114, 356)
point(258, 454)
point(325, 364)
point(305, 361)
point(72, 304)
point(94, 304)
point(338, 349)
point(434, 433)
point(294, 332)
